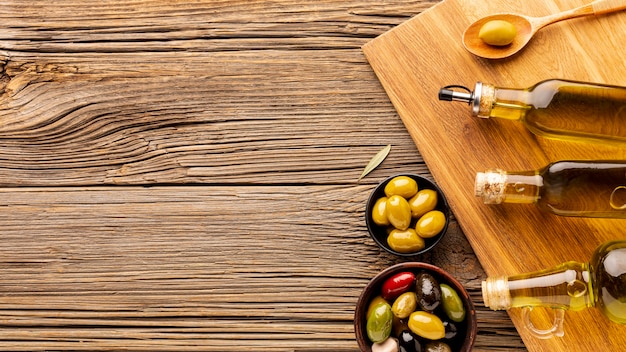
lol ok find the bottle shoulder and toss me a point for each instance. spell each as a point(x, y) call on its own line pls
point(608, 267)
point(541, 95)
point(615, 251)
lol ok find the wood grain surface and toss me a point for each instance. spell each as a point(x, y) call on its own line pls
point(182, 175)
point(413, 62)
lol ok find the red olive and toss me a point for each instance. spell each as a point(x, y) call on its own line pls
point(397, 285)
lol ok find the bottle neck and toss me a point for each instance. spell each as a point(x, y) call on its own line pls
point(566, 286)
point(505, 103)
point(487, 101)
point(498, 186)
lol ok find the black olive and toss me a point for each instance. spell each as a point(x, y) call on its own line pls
point(451, 329)
point(409, 342)
point(428, 292)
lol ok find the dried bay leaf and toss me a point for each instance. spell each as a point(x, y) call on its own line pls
point(376, 160)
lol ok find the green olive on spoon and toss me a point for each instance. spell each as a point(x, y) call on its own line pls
point(526, 27)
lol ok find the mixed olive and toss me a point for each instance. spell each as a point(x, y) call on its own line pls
point(408, 214)
point(415, 312)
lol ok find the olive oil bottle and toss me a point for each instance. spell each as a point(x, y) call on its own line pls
point(559, 109)
point(567, 188)
point(600, 283)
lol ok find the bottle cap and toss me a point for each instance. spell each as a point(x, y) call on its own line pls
point(496, 293)
point(490, 186)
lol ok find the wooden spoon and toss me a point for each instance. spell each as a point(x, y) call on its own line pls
point(527, 27)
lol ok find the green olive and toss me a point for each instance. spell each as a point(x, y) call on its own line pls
point(373, 303)
point(403, 186)
point(423, 202)
point(405, 241)
point(430, 224)
point(379, 322)
point(497, 33)
point(398, 212)
point(379, 213)
point(404, 305)
point(452, 303)
point(426, 325)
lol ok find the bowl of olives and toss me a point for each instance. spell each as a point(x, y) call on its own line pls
point(415, 307)
point(407, 215)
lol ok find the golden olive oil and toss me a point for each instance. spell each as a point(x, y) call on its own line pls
point(601, 283)
point(559, 109)
point(568, 188)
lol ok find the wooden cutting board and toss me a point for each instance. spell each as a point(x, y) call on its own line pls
point(414, 60)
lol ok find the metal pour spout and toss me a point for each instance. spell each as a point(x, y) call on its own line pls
point(447, 93)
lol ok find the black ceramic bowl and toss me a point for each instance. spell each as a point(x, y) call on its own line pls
point(463, 342)
point(379, 233)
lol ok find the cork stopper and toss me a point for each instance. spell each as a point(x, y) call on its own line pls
point(490, 186)
point(486, 101)
point(496, 293)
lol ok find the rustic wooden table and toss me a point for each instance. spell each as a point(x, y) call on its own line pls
point(182, 175)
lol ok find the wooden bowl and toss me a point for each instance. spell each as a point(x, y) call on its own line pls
point(466, 329)
point(379, 233)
